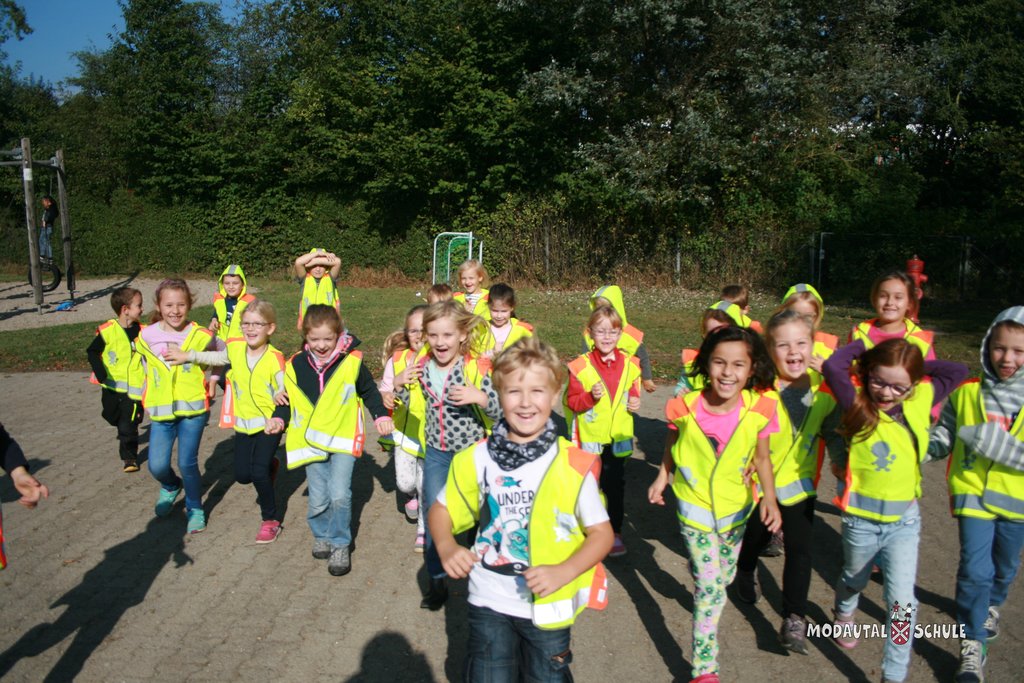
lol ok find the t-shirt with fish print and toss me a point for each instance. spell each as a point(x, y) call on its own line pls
point(506, 499)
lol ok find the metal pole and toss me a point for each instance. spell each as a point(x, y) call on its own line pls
point(679, 262)
point(65, 224)
point(30, 219)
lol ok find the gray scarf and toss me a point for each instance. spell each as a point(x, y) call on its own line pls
point(509, 455)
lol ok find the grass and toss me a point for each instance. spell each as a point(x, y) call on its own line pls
point(667, 316)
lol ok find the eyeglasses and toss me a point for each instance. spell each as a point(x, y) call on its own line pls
point(606, 334)
point(256, 326)
point(896, 389)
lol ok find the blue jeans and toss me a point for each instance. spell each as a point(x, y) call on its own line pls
point(989, 560)
point(436, 464)
point(894, 546)
point(189, 432)
point(329, 485)
point(45, 242)
point(510, 649)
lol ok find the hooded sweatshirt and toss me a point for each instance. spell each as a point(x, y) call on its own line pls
point(1003, 402)
point(613, 293)
point(228, 310)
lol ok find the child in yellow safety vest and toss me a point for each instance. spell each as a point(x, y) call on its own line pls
point(892, 296)
point(255, 378)
point(886, 422)
point(603, 394)
point(807, 418)
point(504, 329)
point(317, 273)
point(542, 531)
point(740, 295)
point(117, 368)
point(804, 298)
point(717, 436)
point(983, 425)
point(718, 314)
point(176, 399)
point(631, 341)
point(406, 441)
point(474, 296)
point(454, 386)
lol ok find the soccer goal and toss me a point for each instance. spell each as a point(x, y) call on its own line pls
point(450, 250)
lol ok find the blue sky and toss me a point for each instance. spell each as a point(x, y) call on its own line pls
point(61, 27)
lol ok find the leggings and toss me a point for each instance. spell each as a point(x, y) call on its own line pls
point(713, 567)
point(797, 522)
point(613, 483)
point(254, 454)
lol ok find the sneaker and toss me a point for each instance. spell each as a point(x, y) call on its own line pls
point(747, 589)
point(793, 634)
point(412, 509)
point(268, 532)
point(774, 547)
point(437, 594)
point(972, 662)
point(842, 630)
point(618, 547)
point(321, 548)
point(196, 521)
point(165, 501)
point(706, 678)
point(131, 466)
point(340, 562)
point(992, 624)
point(421, 541)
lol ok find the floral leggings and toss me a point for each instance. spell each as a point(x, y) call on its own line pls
point(713, 565)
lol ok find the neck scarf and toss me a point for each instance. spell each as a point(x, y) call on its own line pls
point(509, 455)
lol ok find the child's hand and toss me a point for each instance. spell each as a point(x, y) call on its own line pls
point(389, 399)
point(545, 579)
point(410, 375)
point(211, 386)
point(748, 473)
point(214, 325)
point(281, 398)
point(175, 356)
point(649, 386)
point(770, 515)
point(384, 425)
point(656, 491)
point(465, 395)
point(816, 362)
point(597, 392)
point(29, 487)
point(633, 404)
point(275, 425)
point(458, 561)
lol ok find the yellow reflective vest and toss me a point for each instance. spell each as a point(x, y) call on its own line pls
point(550, 540)
point(480, 308)
point(314, 292)
point(979, 487)
point(332, 423)
point(123, 362)
point(220, 306)
point(922, 339)
point(520, 330)
point(609, 421)
point(883, 473)
point(179, 391)
point(410, 420)
point(251, 403)
point(709, 489)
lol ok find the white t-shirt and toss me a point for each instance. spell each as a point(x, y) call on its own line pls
point(506, 499)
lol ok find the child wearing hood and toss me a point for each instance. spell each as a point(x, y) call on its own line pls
point(229, 302)
point(983, 426)
point(631, 341)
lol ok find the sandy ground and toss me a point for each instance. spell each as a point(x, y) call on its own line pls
point(98, 589)
point(92, 301)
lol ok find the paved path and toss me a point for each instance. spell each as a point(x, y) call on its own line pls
point(100, 590)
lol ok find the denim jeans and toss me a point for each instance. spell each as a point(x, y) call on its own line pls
point(894, 546)
point(45, 242)
point(436, 464)
point(189, 432)
point(510, 649)
point(989, 560)
point(329, 485)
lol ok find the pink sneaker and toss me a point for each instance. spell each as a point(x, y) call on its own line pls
point(412, 509)
point(268, 531)
point(420, 542)
point(618, 547)
point(843, 631)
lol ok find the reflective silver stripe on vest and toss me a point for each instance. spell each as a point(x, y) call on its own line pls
point(557, 612)
point(877, 506)
point(798, 487)
point(406, 442)
point(117, 386)
point(729, 521)
point(328, 442)
point(135, 393)
point(622, 448)
point(968, 501)
point(251, 423)
point(694, 513)
point(189, 406)
point(591, 446)
point(160, 411)
point(304, 456)
point(1002, 502)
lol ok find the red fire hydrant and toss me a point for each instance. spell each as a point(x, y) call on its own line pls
point(915, 269)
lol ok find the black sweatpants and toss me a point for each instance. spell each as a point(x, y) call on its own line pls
point(797, 525)
point(125, 414)
point(254, 454)
point(613, 483)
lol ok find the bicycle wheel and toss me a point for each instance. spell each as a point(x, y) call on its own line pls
point(50, 273)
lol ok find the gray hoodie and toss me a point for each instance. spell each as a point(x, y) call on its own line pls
point(1003, 398)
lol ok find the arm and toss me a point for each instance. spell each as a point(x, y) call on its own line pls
point(13, 461)
point(766, 477)
point(577, 398)
point(456, 560)
point(301, 263)
point(645, 366)
point(995, 443)
point(943, 434)
point(655, 494)
point(335, 266)
point(838, 453)
point(837, 373)
point(946, 376)
point(95, 355)
point(543, 580)
point(179, 357)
